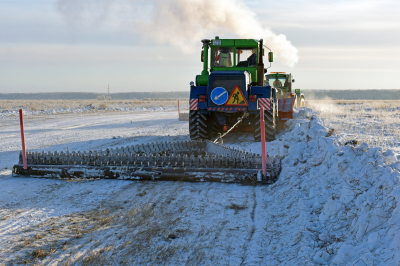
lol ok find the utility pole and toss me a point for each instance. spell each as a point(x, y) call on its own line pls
point(108, 89)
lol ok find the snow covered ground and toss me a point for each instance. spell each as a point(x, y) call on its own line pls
point(88, 109)
point(333, 204)
point(374, 122)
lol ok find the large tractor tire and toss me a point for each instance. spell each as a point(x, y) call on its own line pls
point(269, 125)
point(198, 126)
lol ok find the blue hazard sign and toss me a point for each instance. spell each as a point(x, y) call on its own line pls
point(219, 96)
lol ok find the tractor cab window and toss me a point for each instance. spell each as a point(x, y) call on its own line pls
point(246, 57)
point(278, 82)
point(222, 57)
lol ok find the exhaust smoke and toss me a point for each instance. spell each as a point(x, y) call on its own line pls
point(182, 23)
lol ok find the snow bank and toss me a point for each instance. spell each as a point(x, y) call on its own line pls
point(337, 204)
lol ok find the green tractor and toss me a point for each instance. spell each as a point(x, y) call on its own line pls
point(283, 83)
point(232, 87)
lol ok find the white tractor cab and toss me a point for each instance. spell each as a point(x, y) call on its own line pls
point(283, 83)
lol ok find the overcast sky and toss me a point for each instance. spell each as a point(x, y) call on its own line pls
point(154, 45)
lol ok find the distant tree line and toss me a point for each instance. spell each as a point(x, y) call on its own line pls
point(310, 95)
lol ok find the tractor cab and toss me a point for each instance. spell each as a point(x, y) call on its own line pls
point(280, 80)
point(244, 55)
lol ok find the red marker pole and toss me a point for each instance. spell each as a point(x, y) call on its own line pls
point(179, 112)
point(262, 127)
point(21, 122)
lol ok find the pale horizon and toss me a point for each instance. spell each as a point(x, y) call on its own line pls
point(136, 46)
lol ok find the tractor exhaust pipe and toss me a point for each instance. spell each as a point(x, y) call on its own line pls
point(260, 67)
point(206, 44)
point(202, 79)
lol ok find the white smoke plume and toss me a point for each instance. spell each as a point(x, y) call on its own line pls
point(77, 12)
point(183, 23)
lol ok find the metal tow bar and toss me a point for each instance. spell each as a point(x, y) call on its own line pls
point(217, 140)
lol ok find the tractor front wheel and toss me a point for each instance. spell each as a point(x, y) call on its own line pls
point(301, 102)
point(215, 127)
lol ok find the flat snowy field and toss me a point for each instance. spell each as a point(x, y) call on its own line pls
point(334, 204)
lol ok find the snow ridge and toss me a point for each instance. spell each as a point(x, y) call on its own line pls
point(333, 204)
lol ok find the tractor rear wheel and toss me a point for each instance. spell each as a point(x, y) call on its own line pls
point(198, 126)
point(269, 125)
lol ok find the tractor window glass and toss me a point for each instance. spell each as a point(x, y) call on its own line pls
point(278, 82)
point(246, 57)
point(222, 57)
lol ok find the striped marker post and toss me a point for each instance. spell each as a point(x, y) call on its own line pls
point(21, 122)
point(263, 152)
point(179, 112)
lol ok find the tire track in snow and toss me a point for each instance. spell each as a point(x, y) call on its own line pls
point(252, 230)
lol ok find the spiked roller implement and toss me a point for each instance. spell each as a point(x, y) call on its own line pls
point(192, 161)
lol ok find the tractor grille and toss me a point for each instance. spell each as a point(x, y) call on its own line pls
point(227, 82)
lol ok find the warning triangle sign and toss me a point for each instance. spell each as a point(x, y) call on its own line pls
point(236, 98)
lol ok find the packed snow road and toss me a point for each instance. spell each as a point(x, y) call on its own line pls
point(332, 205)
